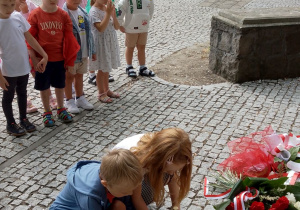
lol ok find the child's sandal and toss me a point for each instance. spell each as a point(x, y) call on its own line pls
point(104, 98)
point(113, 94)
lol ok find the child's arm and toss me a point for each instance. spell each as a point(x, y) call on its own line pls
point(41, 65)
point(3, 82)
point(174, 191)
point(116, 22)
point(137, 199)
point(101, 26)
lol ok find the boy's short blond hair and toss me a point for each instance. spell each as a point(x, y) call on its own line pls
point(121, 166)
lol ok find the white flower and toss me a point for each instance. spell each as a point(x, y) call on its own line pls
point(291, 198)
point(297, 205)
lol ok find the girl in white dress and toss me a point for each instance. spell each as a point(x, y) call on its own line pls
point(104, 25)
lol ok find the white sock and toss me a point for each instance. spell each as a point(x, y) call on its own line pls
point(91, 75)
point(129, 65)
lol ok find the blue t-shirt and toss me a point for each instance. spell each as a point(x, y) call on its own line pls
point(83, 189)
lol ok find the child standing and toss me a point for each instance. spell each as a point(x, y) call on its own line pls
point(134, 18)
point(25, 7)
point(83, 34)
point(94, 185)
point(166, 158)
point(53, 29)
point(104, 26)
point(15, 65)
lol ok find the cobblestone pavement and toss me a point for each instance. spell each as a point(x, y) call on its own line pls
point(33, 167)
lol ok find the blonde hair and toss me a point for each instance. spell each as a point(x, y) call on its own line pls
point(155, 149)
point(121, 166)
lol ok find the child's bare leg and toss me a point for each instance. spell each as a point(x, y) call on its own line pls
point(129, 55)
point(118, 205)
point(141, 54)
point(78, 85)
point(59, 92)
point(68, 88)
point(102, 81)
point(144, 71)
point(102, 84)
point(45, 99)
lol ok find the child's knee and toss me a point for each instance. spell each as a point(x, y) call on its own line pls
point(118, 205)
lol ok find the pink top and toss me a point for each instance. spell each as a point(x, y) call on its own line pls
point(61, 3)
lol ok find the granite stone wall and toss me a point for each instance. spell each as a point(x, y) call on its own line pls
point(261, 51)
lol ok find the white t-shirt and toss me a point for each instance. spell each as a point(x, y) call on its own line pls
point(129, 142)
point(13, 49)
point(79, 18)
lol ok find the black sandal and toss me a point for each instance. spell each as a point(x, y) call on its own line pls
point(92, 80)
point(146, 72)
point(131, 72)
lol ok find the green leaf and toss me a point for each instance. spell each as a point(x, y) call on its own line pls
point(222, 206)
point(291, 207)
point(294, 152)
point(236, 189)
point(297, 160)
point(276, 159)
point(295, 189)
point(275, 183)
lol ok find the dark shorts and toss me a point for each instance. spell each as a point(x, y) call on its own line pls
point(54, 75)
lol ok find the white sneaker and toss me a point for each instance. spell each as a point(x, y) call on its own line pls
point(71, 106)
point(83, 103)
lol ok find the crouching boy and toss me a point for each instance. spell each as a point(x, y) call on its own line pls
point(94, 185)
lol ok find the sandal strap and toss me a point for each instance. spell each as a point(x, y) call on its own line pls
point(64, 114)
point(101, 94)
point(47, 113)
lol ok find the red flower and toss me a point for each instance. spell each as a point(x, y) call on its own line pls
point(230, 207)
point(257, 206)
point(281, 204)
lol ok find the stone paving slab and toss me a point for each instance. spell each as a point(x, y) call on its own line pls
point(33, 168)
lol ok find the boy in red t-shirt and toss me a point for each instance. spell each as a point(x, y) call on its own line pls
point(52, 27)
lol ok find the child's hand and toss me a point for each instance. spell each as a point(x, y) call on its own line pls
point(94, 57)
point(41, 66)
point(109, 7)
point(3, 83)
point(23, 7)
point(122, 29)
point(70, 68)
point(113, 14)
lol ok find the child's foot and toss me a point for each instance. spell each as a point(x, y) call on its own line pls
point(52, 102)
point(92, 80)
point(30, 107)
point(146, 72)
point(83, 103)
point(131, 72)
point(104, 98)
point(112, 94)
point(48, 119)
point(63, 115)
point(71, 106)
point(110, 78)
point(28, 126)
point(15, 130)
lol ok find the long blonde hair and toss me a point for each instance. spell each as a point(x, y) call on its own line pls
point(155, 149)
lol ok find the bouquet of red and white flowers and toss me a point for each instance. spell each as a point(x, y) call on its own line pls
point(261, 173)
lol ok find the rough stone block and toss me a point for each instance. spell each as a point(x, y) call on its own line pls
point(255, 44)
